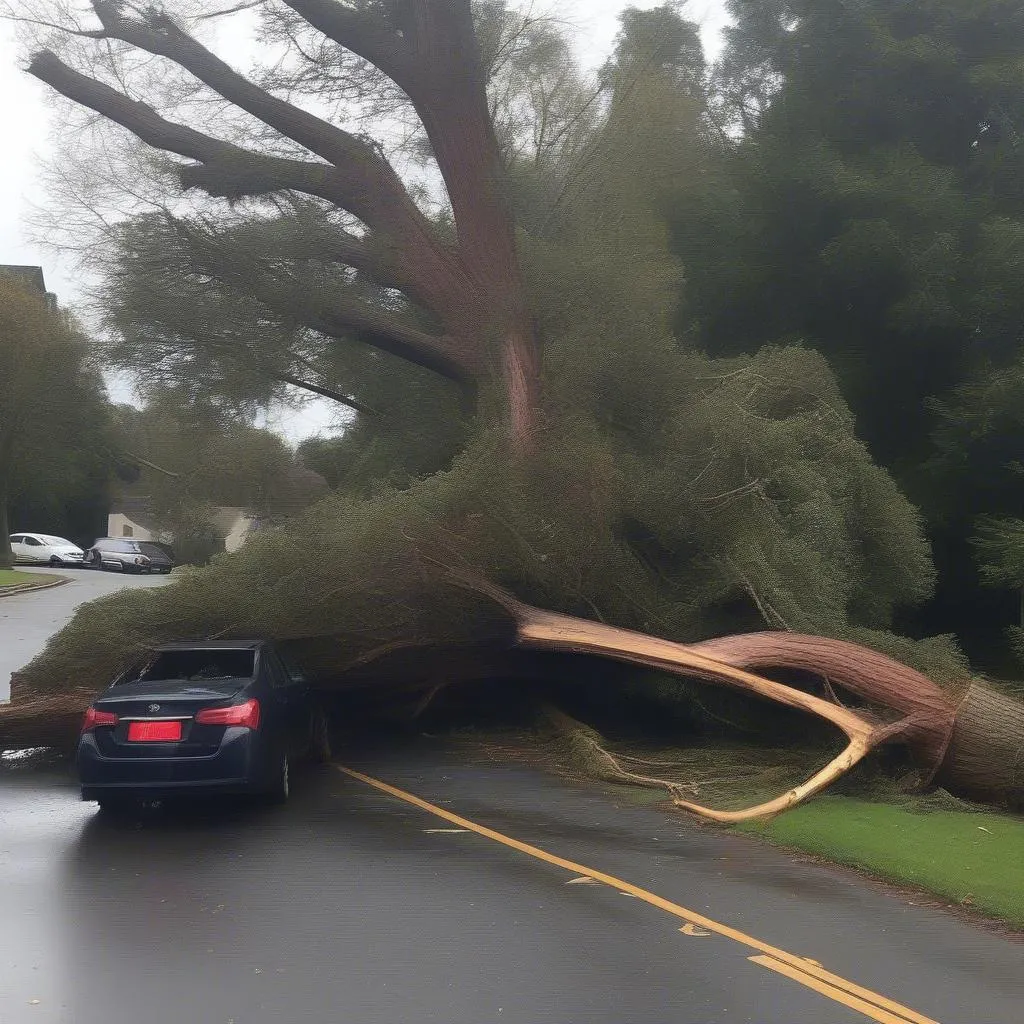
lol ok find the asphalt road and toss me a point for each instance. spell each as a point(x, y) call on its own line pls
point(353, 906)
point(28, 620)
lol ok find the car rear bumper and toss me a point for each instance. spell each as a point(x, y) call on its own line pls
point(237, 767)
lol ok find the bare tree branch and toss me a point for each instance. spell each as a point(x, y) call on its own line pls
point(317, 389)
point(223, 168)
point(381, 196)
point(364, 35)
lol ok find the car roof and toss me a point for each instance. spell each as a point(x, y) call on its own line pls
point(211, 645)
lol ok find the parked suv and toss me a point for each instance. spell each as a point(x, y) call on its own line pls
point(126, 555)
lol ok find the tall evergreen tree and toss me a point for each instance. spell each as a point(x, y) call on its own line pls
point(870, 204)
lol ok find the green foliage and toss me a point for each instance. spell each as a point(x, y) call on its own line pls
point(183, 462)
point(54, 415)
point(861, 212)
point(865, 199)
point(1000, 546)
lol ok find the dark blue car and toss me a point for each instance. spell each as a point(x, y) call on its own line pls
point(200, 717)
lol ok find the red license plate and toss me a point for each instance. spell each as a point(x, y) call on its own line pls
point(154, 732)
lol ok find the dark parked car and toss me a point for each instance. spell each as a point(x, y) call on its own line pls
point(200, 717)
point(127, 555)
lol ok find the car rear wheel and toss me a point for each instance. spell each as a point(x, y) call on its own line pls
point(280, 788)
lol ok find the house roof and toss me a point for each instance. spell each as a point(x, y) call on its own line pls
point(137, 510)
point(29, 277)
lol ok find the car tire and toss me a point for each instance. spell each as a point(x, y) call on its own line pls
point(55, 562)
point(280, 787)
point(320, 740)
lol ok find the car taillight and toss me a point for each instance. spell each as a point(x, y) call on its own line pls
point(247, 715)
point(93, 718)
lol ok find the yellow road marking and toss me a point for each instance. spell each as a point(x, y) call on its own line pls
point(799, 969)
point(692, 929)
point(837, 994)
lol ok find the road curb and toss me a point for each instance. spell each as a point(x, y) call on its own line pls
point(28, 588)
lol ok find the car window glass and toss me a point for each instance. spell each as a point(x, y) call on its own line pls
point(32, 542)
point(153, 548)
point(277, 675)
point(295, 673)
point(197, 665)
point(17, 540)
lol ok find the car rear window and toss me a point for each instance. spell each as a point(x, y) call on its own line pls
point(148, 547)
point(197, 664)
point(118, 545)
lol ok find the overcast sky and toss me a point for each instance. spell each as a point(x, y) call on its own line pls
point(27, 127)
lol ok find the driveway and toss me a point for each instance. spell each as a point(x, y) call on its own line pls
point(28, 620)
point(473, 891)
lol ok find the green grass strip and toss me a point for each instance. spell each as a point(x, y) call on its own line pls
point(968, 858)
point(13, 578)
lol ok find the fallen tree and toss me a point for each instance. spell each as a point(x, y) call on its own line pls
point(606, 471)
point(973, 745)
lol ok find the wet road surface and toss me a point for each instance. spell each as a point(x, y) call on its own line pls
point(350, 905)
point(28, 620)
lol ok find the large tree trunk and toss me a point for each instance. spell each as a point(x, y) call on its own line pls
point(522, 387)
point(985, 758)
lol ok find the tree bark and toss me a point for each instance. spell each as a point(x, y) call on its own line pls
point(985, 758)
point(927, 710)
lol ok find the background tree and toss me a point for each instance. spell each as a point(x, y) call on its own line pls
point(867, 201)
point(53, 409)
point(192, 459)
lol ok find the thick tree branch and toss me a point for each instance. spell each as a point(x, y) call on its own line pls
point(337, 315)
point(374, 185)
point(223, 168)
point(290, 238)
point(364, 35)
point(346, 317)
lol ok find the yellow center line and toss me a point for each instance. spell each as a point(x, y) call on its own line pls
point(799, 969)
point(875, 1012)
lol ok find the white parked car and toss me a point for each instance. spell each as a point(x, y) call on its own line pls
point(43, 549)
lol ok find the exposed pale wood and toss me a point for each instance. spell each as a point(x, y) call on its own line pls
point(854, 752)
point(554, 631)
